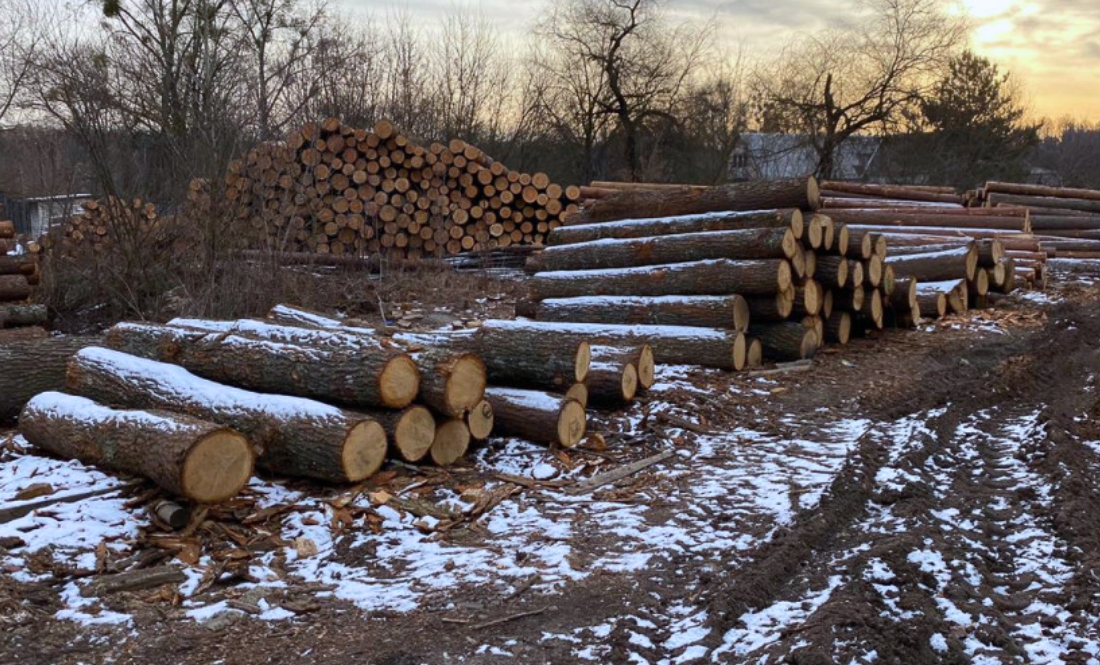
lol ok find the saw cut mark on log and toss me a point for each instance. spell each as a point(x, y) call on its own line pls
point(480, 420)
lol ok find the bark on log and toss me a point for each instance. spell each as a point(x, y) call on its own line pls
point(299, 316)
point(755, 195)
point(611, 384)
point(14, 287)
point(832, 271)
point(770, 310)
point(808, 299)
point(671, 345)
point(714, 277)
point(888, 218)
point(851, 300)
point(872, 309)
point(904, 296)
point(778, 243)
point(294, 436)
point(959, 263)
point(932, 302)
point(730, 312)
point(662, 226)
point(9, 335)
point(34, 366)
point(756, 353)
point(872, 271)
point(1083, 205)
point(838, 328)
point(537, 416)
point(189, 457)
point(900, 192)
point(25, 265)
point(376, 379)
point(452, 440)
point(22, 315)
point(786, 341)
point(1022, 189)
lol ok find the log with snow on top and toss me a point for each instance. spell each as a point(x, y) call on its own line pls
point(754, 195)
point(356, 375)
point(671, 345)
point(711, 277)
point(192, 458)
point(613, 376)
point(295, 436)
point(730, 312)
point(33, 366)
point(537, 416)
point(777, 243)
point(936, 298)
point(958, 263)
point(664, 226)
point(299, 316)
point(786, 341)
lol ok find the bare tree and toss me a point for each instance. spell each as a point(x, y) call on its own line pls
point(20, 35)
point(832, 86)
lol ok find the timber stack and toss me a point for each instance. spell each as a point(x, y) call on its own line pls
point(20, 319)
point(334, 189)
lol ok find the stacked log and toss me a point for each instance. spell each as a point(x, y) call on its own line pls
point(19, 273)
point(334, 189)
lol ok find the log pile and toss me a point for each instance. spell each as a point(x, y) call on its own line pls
point(334, 189)
point(19, 274)
point(103, 223)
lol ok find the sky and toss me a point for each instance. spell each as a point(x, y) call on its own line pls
point(1052, 47)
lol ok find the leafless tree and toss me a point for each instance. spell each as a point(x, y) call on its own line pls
point(843, 82)
point(20, 36)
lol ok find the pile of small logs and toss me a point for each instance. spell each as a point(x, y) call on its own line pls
point(334, 189)
point(193, 404)
point(102, 224)
point(19, 273)
point(716, 276)
point(1065, 221)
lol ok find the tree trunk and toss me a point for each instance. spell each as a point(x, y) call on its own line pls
point(410, 431)
point(452, 440)
point(890, 218)
point(18, 265)
point(537, 416)
point(672, 345)
point(34, 366)
point(344, 375)
point(899, 192)
point(1041, 190)
point(959, 263)
point(290, 315)
point(756, 353)
point(838, 328)
point(851, 300)
point(769, 310)
point(931, 301)
point(613, 377)
point(480, 420)
point(730, 312)
point(630, 252)
point(14, 287)
point(186, 456)
point(714, 277)
point(755, 195)
point(904, 296)
point(295, 436)
point(786, 341)
point(662, 226)
point(832, 271)
point(1083, 205)
point(22, 315)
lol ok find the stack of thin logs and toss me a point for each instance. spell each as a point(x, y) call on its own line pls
point(933, 219)
point(722, 277)
point(305, 395)
point(334, 189)
point(102, 224)
point(1065, 221)
point(19, 273)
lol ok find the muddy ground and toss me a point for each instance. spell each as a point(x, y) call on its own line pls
point(926, 496)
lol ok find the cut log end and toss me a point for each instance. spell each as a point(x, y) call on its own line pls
point(364, 450)
point(813, 193)
point(414, 433)
point(572, 423)
point(578, 392)
point(217, 467)
point(466, 384)
point(756, 353)
point(741, 314)
point(582, 361)
point(479, 420)
point(740, 352)
point(647, 367)
point(452, 440)
point(399, 382)
point(842, 238)
point(629, 382)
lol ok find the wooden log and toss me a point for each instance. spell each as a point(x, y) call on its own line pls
point(34, 366)
point(615, 380)
point(873, 270)
point(860, 245)
point(808, 299)
point(755, 354)
point(904, 296)
point(8, 335)
point(1021, 189)
point(889, 280)
point(537, 416)
point(713, 277)
point(479, 420)
point(291, 315)
point(1009, 283)
point(872, 309)
point(889, 218)
point(1083, 205)
point(770, 310)
point(452, 440)
point(14, 287)
point(932, 301)
point(7, 229)
point(856, 274)
point(959, 263)
point(832, 271)
point(815, 325)
point(851, 300)
point(954, 291)
point(960, 232)
point(25, 265)
point(902, 192)
point(22, 315)
point(827, 304)
point(577, 391)
point(671, 345)
point(786, 341)
point(189, 457)
point(754, 195)
point(647, 366)
point(778, 243)
point(730, 312)
point(661, 226)
point(357, 376)
point(979, 286)
point(838, 328)
point(295, 436)
point(410, 431)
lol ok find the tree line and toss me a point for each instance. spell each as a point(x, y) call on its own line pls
point(154, 92)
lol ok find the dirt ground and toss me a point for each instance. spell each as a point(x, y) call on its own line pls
point(925, 496)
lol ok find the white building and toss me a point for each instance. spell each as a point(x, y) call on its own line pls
point(32, 216)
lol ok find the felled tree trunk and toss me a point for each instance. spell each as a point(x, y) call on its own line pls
point(754, 195)
point(22, 315)
point(411, 431)
point(730, 312)
point(480, 420)
point(663, 226)
point(713, 277)
point(778, 243)
point(537, 416)
point(34, 366)
point(452, 440)
point(295, 436)
point(786, 341)
point(186, 456)
point(959, 263)
point(613, 376)
point(378, 378)
point(14, 287)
